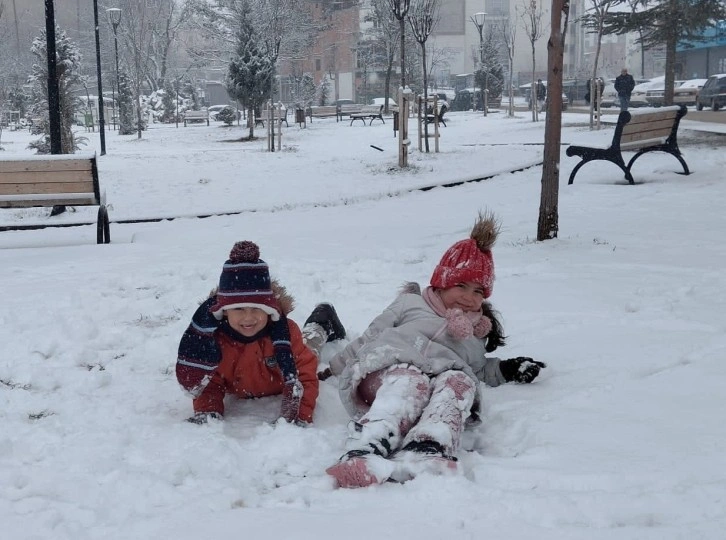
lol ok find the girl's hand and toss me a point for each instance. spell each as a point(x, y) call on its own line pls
point(521, 369)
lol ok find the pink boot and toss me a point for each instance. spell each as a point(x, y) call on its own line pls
point(360, 468)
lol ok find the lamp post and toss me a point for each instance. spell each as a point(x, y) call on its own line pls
point(101, 122)
point(114, 17)
point(478, 19)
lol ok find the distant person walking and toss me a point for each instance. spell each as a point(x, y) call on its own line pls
point(541, 94)
point(624, 84)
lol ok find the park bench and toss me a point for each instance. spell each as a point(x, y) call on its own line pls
point(639, 131)
point(430, 117)
point(368, 112)
point(347, 109)
point(264, 115)
point(47, 181)
point(322, 111)
point(202, 115)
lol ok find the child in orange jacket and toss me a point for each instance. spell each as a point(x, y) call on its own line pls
point(240, 342)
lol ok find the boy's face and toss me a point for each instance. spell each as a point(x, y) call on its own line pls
point(248, 321)
point(464, 296)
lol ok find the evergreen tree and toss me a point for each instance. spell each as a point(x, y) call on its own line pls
point(68, 59)
point(168, 102)
point(324, 91)
point(127, 122)
point(491, 72)
point(250, 73)
point(666, 22)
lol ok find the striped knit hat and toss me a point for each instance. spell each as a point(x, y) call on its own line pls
point(245, 282)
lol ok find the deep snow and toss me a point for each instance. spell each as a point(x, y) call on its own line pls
point(622, 436)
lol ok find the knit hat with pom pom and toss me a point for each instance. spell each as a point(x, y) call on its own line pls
point(245, 282)
point(470, 259)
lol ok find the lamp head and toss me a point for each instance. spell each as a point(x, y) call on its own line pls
point(480, 17)
point(114, 15)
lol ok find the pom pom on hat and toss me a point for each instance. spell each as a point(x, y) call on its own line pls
point(245, 282)
point(470, 259)
point(244, 251)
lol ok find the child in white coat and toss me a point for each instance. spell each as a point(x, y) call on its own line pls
point(411, 381)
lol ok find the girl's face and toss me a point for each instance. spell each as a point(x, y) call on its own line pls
point(466, 296)
point(248, 321)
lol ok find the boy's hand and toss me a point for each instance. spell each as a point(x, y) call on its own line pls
point(204, 417)
point(325, 374)
point(521, 369)
point(291, 396)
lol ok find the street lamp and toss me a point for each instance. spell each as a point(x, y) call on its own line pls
point(114, 17)
point(478, 19)
point(101, 123)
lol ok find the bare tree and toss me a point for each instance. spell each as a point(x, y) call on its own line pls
point(400, 8)
point(548, 223)
point(508, 37)
point(532, 19)
point(386, 35)
point(422, 19)
point(594, 20)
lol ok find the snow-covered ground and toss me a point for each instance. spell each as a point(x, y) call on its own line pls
point(621, 437)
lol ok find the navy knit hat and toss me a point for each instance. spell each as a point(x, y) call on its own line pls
point(245, 282)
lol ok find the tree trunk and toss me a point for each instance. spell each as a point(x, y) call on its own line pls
point(54, 119)
point(426, 99)
point(532, 96)
point(403, 52)
point(670, 67)
point(548, 223)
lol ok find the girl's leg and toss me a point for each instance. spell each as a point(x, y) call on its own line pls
point(442, 420)
point(399, 394)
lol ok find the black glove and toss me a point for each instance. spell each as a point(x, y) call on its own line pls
point(325, 374)
point(204, 417)
point(521, 369)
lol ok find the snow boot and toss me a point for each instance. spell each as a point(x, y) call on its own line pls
point(361, 468)
point(324, 314)
point(422, 457)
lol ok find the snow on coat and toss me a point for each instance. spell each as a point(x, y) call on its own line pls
point(409, 332)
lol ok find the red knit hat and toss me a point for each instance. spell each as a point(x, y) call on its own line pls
point(245, 282)
point(470, 259)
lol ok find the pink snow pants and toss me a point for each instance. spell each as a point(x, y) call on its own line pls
point(407, 405)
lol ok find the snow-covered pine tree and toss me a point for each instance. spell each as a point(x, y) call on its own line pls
point(491, 71)
point(168, 102)
point(250, 73)
point(127, 121)
point(69, 83)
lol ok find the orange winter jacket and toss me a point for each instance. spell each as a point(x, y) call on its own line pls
point(244, 372)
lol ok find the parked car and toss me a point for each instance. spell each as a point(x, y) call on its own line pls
point(214, 110)
point(382, 101)
point(684, 93)
point(713, 93)
point(638, 96)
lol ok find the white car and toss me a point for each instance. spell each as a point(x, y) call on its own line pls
point(684, 93)
point(382, 101)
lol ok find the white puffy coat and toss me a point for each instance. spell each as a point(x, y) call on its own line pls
point(409, 332)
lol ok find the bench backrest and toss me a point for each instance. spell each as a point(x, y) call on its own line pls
point(204, 113)
point(327, 110)
point(648, 129)
point(372, 109)
point(48, 182)
point(350, 108)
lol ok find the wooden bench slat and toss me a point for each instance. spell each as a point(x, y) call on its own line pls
point(54, 166)
point(45, 177)
point(51, 199)
point(44, 187)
